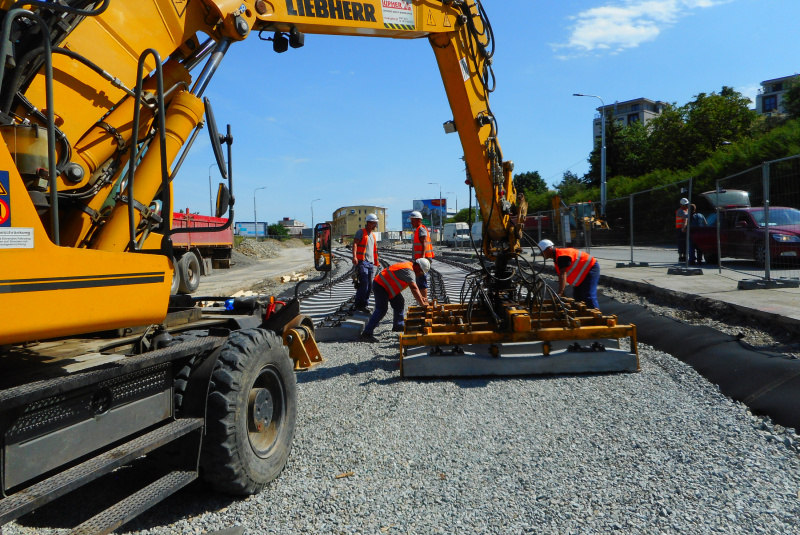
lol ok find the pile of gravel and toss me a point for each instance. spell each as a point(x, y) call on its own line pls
point(260, 249)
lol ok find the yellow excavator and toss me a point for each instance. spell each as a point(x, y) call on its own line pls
point(102, 362)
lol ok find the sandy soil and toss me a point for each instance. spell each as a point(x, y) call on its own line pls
point(259, 266)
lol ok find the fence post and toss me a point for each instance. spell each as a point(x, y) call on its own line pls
point(688, 221)
point(540, 218)
point(767, 259)
point(630, 214)
point(719, 231)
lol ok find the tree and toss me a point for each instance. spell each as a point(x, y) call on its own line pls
point(462, 216)
point(277, 230)
point(669, 141)
point(712, 119)
point(530, 182)
point(570, 186)
point(791, 99)
point(634, 154)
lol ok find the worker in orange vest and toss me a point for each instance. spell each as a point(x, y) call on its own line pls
point(580, 270)
point(388, 290)
point(365, 260)
point(423, 248)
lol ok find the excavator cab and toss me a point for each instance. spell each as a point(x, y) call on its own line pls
point(322, 246)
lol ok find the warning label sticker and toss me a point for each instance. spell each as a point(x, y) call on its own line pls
point(398, 14)
point(464, 68)
point(5, 200)
point(5, 214)
point(16, 238)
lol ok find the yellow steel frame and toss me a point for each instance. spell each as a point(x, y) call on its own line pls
point(445, 325)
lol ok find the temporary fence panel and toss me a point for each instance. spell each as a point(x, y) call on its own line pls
point(655, 236)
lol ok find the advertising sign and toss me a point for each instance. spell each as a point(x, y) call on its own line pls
point(406, 223)
point(432, 213)
point(248, 229)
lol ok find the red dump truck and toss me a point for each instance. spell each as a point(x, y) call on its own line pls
point(199, 252)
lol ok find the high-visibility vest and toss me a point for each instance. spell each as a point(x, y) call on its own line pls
point(579, 266)
point(680, 217)
point(418, 247)
point(389, 280)
point(361, 248)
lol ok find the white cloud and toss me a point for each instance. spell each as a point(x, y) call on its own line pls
point(617, 26)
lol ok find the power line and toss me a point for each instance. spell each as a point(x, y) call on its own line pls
point(567, 169)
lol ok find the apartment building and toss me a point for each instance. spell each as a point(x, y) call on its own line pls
point(769, 100)
point(348, 219)
point(628, 112)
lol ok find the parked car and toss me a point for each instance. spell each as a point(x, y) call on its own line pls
point(742, 234)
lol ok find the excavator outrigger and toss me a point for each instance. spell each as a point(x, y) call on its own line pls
point(102, 362)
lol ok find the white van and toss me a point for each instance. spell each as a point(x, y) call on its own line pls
point(456, 234)
point(477, 232)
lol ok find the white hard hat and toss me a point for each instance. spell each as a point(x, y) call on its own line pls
point(372, 218)
point(545, 244)
point(684, 201)
point(424, 263)
point(415, 215)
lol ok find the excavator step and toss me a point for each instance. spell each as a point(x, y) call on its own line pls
point(45, 491)
point(134, 505)
point(523, 358)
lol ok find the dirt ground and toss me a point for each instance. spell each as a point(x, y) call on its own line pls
point(258, 266)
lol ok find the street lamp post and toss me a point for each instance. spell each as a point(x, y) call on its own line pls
point(456, 196)
point(455, 238)
point(602, 151)
point(312, 212)
point(210, 194)
point(255, 214)
point(440, 208)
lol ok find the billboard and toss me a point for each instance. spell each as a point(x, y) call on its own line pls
point(248, 229)
point(406, 225)
point(432, 212)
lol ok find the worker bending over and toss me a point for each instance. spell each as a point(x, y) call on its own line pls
point(423, 248)
point(365, 259)
point(580, 270)
point(388, 289)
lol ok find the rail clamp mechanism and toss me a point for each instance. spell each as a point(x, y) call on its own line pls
point(449, 340)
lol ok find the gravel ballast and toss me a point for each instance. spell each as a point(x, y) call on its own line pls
point(659, 451)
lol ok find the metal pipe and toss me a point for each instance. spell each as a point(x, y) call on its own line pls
point(211, 67)
point(199, 54)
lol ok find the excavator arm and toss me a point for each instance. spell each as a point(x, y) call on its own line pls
point(71, 134)
point(99, 100)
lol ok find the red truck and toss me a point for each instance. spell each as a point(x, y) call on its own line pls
point(742, 233)
point(199, 252)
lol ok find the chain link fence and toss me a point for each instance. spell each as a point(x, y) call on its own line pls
point(749, 224)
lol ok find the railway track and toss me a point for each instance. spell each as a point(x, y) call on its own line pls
point(328, 303)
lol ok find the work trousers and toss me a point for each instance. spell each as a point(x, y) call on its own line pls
point(366, 272)
point(587, 290)
point(681, 237)
point(382, 302)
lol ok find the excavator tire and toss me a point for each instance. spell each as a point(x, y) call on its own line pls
point(251, 413)
point(189, 270)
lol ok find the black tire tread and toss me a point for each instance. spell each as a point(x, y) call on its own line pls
point(221, 460)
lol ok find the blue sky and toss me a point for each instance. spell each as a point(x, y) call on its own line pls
point(358, 120)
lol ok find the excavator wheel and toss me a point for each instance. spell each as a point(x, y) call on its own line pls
point(189, 270)
point(251, 413)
